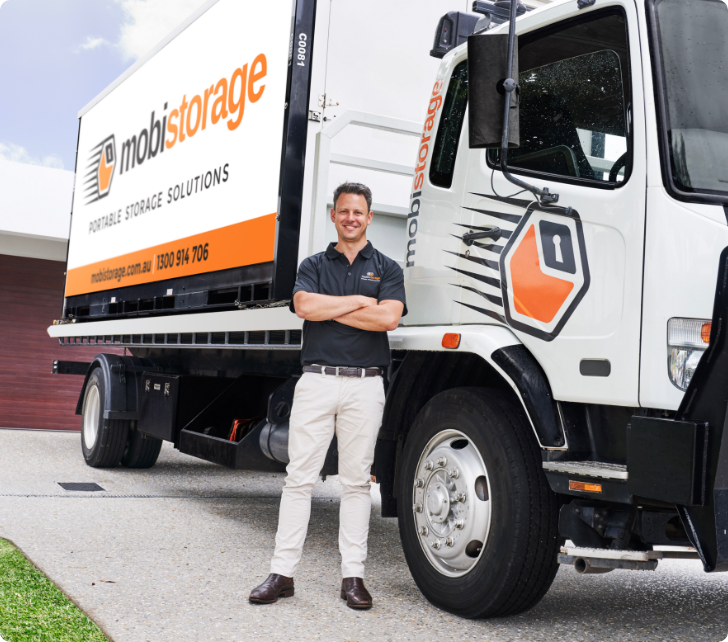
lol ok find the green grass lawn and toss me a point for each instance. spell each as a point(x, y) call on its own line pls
point(33, 609)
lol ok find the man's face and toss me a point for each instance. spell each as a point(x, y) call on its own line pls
point(351, 217)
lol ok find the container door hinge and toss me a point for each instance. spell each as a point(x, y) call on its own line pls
point(324, 101)
point(315, 116)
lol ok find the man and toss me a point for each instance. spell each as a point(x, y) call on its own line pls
point(350, 296)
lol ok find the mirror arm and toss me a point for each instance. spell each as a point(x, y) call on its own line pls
point(544, 196)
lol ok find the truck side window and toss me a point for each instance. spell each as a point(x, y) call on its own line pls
point(574, 109)
point(451, 123)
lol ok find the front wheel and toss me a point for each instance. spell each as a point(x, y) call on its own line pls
point(477, 519)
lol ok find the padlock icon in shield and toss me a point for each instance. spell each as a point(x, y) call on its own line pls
point(544, 273)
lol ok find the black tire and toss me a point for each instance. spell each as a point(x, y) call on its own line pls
point(518, 561)
point(104, 448)
point(141, 450)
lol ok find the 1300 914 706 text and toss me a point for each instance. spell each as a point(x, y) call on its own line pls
point(182, 256)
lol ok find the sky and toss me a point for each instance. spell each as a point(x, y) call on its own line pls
point(56, 55)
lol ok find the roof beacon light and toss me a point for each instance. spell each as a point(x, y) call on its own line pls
point(452, 30)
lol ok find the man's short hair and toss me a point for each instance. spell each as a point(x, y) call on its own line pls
point(354, 188)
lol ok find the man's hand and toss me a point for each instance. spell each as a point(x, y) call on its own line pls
point(322, 307)
point(383, 317)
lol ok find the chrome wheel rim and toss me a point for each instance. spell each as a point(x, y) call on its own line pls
point(451, 504)
point(91, 410)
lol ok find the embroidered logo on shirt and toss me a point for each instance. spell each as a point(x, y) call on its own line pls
point(370, 276)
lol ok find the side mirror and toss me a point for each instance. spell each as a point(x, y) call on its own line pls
point(487, 69)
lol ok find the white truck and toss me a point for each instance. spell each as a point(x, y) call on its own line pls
point(562, 374)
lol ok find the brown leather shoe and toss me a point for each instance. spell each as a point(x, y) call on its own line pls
point(355, 594)
point(275, 586)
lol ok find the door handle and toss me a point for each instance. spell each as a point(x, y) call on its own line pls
point(493, 233)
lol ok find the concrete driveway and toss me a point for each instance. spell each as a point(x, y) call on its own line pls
point(171, 554)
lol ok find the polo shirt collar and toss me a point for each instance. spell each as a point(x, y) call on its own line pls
point(367, 250)
point(333, 253)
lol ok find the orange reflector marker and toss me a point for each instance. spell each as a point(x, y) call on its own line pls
point(451, 340)
point(705, 332)
point(586, 487)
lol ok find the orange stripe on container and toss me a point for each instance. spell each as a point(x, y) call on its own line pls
point(245, 243)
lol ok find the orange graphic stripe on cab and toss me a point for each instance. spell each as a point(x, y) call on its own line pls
point(245, 243)
point(535, 294)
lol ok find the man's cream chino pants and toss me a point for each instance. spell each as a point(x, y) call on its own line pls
point(323, 405)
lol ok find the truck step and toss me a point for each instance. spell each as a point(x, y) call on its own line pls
point(604, 560)
point(588, 469)
point(240, 455)
point(635, 556)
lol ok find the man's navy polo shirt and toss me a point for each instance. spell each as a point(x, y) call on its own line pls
point(330, 343)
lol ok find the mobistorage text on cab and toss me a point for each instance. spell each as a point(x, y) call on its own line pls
point(222, 100)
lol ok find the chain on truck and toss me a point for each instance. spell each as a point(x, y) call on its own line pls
point(558, 389)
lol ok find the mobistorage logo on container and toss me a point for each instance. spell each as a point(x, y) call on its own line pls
point(222, 101)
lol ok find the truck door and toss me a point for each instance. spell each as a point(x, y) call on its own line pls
point(570, 287)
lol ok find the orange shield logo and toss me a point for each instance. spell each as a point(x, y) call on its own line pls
point(100, 172)
point(544, 273)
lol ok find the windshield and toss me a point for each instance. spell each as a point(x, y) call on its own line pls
point(694, 52)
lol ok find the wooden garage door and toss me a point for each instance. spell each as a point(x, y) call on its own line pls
point(31, 296)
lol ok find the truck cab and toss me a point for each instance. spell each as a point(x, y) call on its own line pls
point(592, 316)
point(596, 312)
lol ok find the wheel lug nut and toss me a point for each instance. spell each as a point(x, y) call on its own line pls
point(454, 473)
point(461, 497)
point(419, 483)
point(460, 524)
point(442, 461)
point(450, 541)
point(428, 465)
point(424, 531)
point(417, 508)
point(436, 544)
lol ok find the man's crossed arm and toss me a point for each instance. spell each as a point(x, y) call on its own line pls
point(363, 312)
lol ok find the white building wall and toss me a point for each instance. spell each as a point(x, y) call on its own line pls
point(35, 210)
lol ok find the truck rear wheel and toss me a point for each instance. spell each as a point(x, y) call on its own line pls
point(477, 519)
point(102, 442)
point(141, 450)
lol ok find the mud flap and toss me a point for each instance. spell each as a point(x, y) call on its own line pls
point(706, 399)
point(123, 378)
